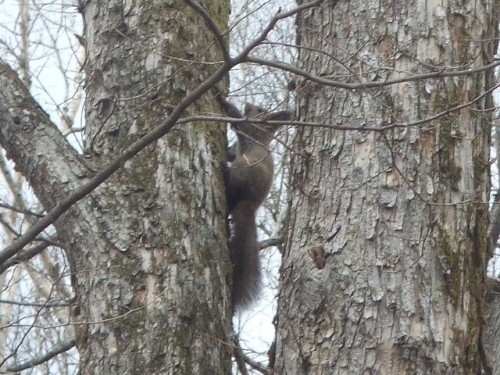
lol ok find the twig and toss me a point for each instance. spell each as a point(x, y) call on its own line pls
point(47, 304)
point(239, 357)
point(64, 347)
point(243, 56)
point(343, 127)
point(19, 210)
point(212, 26)
point(271, 242)
point(23, 256)
point(368, 84)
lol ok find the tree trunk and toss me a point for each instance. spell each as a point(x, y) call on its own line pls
point(148, 248)
point(491, 331)
point(157, 287)
point(386, 254)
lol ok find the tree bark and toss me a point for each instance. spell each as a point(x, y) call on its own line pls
point(148, 247)
point(491, 331)
point(386, 254)
point(161, 265)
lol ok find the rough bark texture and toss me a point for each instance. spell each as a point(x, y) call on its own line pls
point(149, 247)
point(491, 331)
point(385, 259)
point(158, 279)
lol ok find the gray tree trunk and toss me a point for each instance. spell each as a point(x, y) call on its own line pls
point(491, 330)
point(148, 248)
point(385, 261)
point(159, 267)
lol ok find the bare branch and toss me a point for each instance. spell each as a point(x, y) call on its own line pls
point(241, 359)
point(20, 210)
point(257, 365)
point(64, 347)
point(47, 304)
point(243, 56)
point(271, 242)
point(343, 127)
point(212, 26)
point(23, 256)
point(40, 151)
point(369, 84)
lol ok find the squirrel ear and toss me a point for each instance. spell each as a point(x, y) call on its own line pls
point(253, 110)
point(280, 115)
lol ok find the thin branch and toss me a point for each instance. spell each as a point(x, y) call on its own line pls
point(239, 357)
point(20, 210)
point(23, 256)
point(271, 242)
point(368, 84)
point(47, 304)
point(343, 127)
point(59, 349)
point(26, 332)
point(212, 26)
point(243, 56)
point(242, 359)
point(257, 365)
point(9, 227)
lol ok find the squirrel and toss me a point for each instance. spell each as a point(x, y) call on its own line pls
point(248, 181)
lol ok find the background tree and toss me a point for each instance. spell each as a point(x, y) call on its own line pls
point(36, 294)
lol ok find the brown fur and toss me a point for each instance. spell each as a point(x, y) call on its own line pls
point(247, 184)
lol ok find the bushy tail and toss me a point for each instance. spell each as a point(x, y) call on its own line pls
point(244, 255)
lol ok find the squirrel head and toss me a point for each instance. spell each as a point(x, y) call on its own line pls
point(260, 132)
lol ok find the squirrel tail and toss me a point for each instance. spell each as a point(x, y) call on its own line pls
point(244, 255)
